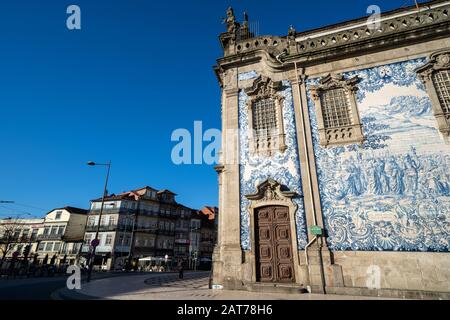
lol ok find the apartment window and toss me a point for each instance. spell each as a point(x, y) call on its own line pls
point(34, 234)
point(75, 248)
point(436, 77)
point(46, 231)
point(336, 109)
point(41, 246)
point(58, 215)
point(91, 221)
point(25, 233)
point(54, 231)
point(49, 246)
point(266, 129)
point(112, 221)
point(441, 80)
point(57, 246)
point(87, 239)
point(16, 234)
point(108, 239)
point(61, 230)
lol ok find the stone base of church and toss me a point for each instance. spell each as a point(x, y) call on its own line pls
point(389, 293)
point(401, 275)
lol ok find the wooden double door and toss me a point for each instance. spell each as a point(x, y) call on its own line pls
point(273, 240)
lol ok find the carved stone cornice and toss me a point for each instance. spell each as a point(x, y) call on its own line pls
point(397, 28)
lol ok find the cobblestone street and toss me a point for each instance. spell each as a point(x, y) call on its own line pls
point(194, 286)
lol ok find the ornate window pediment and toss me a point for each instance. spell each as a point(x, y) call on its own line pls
point(436, 77)
point(337, 113)
point(265, 113)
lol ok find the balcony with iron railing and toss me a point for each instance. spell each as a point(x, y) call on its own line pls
point(107, 210)
point(54, 237)
point(144, 212)
point(165, 232)
point(94, 228)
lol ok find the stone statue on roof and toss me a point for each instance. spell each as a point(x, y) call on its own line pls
point(230, 20)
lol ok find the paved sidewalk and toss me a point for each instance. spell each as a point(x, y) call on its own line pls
point(194, 286)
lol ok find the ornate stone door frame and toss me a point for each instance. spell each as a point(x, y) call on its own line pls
point(270, 194)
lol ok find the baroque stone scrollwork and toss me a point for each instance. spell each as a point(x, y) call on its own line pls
point(265, 92)
point(270, 191)
point(337, 127)
point(435, 76)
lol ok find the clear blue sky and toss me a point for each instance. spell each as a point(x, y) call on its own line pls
point(116, 90)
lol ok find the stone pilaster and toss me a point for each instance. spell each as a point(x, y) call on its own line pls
point(227, 268)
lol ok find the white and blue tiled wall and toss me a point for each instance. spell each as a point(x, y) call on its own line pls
point(390, 194)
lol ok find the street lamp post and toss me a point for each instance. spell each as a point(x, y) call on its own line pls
point(95, 242)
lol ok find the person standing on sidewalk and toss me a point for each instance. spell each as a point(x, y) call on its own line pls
point(180, 270)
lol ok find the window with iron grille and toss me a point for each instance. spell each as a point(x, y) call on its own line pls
point(441, 80)
point(336, 109)
point(338, 118)
point(264, 118)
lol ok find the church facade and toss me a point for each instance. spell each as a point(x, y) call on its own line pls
point(335, 168)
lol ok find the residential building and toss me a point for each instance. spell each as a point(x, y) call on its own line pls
point(339, 179)
point(208, 236)
point(135, 224)
point(19, 237)
point(182, 235)
point(61, 236)
point(194, 239)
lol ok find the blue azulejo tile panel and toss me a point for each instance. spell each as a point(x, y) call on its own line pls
point(248, 75)
point(282, 167)
point(392, 193)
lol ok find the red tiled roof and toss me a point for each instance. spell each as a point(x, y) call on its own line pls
point(209, 211)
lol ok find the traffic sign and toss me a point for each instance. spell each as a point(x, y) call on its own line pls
point(95, 243)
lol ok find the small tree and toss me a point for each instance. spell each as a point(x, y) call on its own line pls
point(8, 229)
